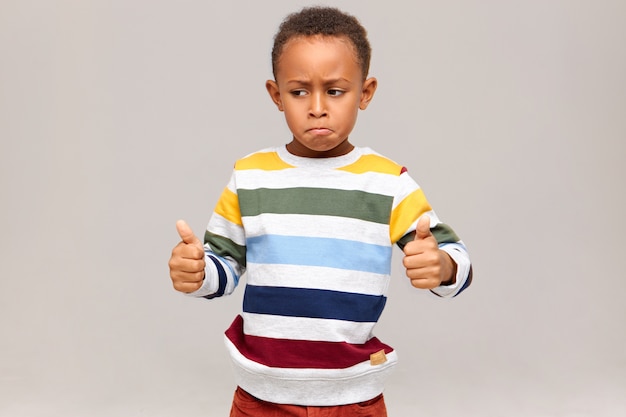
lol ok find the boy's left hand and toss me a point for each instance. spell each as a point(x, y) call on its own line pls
point(426, 265)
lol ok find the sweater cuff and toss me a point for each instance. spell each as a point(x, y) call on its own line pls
point(463, 268)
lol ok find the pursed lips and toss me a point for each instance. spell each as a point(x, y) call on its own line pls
point(320, 130)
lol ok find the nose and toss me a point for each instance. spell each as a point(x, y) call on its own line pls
point(318, 105)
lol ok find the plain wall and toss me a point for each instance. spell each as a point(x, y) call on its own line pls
point(119, 117)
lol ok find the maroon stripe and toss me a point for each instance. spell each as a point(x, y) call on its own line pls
point(287, 353)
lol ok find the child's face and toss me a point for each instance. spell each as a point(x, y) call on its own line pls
point(319, 86)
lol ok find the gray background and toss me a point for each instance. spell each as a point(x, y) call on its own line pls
point(119, 117)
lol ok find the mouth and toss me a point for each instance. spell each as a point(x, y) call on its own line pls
point(321, 131)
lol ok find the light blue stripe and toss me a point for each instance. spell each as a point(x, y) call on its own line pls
point(316, 251)
point(458, 244)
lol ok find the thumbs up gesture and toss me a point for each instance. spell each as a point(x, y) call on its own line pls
point(187, 260)
point(426, 265)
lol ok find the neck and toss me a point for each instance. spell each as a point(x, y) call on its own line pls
point(298, 149)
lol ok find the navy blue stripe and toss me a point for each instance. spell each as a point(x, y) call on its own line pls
point(313, 303)
point(221, 276)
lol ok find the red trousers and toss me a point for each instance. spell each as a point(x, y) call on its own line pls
point(245, 405)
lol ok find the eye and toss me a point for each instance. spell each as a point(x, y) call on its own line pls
point(298, 93)
point(334, 92)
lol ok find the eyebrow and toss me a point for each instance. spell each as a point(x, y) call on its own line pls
point(329, 81)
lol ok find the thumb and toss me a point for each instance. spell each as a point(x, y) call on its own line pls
point(185, 233)
point(422, 230)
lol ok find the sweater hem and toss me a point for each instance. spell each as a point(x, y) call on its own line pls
point(312, 387)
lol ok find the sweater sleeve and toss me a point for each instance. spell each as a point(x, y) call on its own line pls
point(409, 205)
point(224, 247)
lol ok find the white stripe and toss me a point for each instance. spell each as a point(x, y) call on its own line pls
point(372, 182)
point(305, 328)
point(406, 186)
point(307, 225)
point(317, 277)
point(219, 225)
point(232, 186)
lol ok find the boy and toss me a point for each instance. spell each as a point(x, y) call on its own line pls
point(313, 224)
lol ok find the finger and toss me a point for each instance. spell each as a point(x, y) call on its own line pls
point(187, 277)
point(422, 230)
point(187, 264)
point(186, 234)
point(425, 284)
point(187, 287)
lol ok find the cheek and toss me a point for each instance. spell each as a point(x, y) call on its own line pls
point(291, 119)
point(349, 116)
point(291, 110)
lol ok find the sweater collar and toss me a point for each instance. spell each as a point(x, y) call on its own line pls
point(328, 163)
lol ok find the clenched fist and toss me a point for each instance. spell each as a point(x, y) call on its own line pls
point(187, 261)
point(426, 265)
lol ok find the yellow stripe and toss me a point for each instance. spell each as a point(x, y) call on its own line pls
point(407, 212)
point(373, 163)
point(228, 207)
point(268, 161)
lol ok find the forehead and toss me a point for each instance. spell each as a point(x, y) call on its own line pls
point(308, 53)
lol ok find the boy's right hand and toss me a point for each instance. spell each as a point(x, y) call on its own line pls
point(187, 260)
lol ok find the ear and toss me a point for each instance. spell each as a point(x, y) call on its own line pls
point(367, 92)
point(274, 92)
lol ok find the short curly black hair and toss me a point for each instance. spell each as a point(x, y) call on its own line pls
point(324, 21)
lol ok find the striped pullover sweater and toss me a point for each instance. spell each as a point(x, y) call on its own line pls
point(315, 239)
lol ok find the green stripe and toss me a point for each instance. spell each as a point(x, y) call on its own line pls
point(442, 233)
point(225, 247)
point(316, 201)
point(405, 239)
